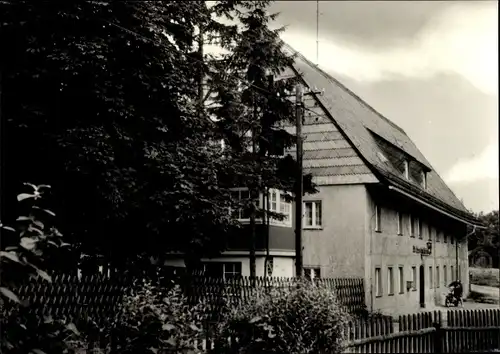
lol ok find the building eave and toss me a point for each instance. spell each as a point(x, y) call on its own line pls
point(436, 208)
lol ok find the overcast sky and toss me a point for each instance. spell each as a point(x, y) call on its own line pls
point(430, 67)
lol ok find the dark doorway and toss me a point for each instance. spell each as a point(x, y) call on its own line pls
point(422, 286)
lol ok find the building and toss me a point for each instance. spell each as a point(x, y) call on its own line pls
point(382, 212)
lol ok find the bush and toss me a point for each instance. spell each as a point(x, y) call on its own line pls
point(303, 319)
point(154, 320)
point(25, 250)
point(485, 276)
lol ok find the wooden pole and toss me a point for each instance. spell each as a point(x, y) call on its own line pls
point(300, 187)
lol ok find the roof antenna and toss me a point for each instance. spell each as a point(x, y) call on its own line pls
point(317, 32)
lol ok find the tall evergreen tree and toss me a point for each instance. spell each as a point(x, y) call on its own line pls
point(253, 105)
point(100, 101)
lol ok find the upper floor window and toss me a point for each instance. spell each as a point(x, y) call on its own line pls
point(429, 232)
point(413, 226)
point(406, 169)
point(424, 179)
point(279, 204)
point(419, 231)
point(400, 223)
point(241, 195)
point(378, 218)
point(313, 214)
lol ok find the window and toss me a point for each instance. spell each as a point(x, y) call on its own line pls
point(378, 215)
point(452, 274)
point(401, 280)
point(424, 180)
point(438, 234)
point(429, 232)
point(431, 278)
point(400, 223)
point(312, 214)
point(412, 226)
point(232, 270)
point(420, 230)
point(312, 273)
point(445, 276)
point(445, 237)
point(406, 169)
point(390, 281)
point(414, 277)
point(225, 270)
point(452, 240)
point(438, 282)
point(278, 204)
point(241, 195)
point(378, 282)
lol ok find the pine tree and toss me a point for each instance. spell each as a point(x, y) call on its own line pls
point(253, 106)
point(100, 101)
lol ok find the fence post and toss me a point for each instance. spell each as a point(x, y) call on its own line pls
point(438, 338)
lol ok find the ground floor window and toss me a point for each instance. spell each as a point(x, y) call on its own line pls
point(438, 282)
point(312, 273)
point(225, 270)
point(414, 278)
point(445, 276)
point(431, 278)
point(452, 273)
point(378, 282)
point(401, 280)
point(390, 281)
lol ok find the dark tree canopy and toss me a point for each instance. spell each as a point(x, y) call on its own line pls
point(100, 100)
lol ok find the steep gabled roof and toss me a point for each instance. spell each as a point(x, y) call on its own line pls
point(365, 128)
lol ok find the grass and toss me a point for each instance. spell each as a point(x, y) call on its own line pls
point(481, 298)
point(485, 276)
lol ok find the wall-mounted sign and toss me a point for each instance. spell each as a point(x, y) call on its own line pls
point(425, 251)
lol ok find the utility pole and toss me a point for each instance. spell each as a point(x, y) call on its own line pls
point(299, 114)
point(299, 105)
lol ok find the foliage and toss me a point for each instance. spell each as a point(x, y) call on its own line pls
point(25, 250)
point(154, 320)
point(303, 319)
point(488, 239)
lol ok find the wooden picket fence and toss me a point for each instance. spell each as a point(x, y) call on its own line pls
point(214, 291)
point(427, 332)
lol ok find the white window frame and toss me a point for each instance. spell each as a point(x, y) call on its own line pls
point(400, 223)
point(378, 282)
point(239, 190)
point(314, 220)
point(407, 169)
point(390, 280)
point(224, 264)
point(288, 219)
point(378, 218)
point(286, 222)
point(414, 278)
point(431, 277)
point(413, 227)
point(401, 274)
point(424, 179)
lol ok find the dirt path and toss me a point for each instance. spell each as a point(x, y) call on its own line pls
point(486, 290)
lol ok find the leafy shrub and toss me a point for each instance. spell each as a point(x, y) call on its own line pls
point(485, 276)
point(303, 319)
point(155, 320)
point(24, 250)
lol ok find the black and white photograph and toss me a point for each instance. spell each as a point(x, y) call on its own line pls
point(229, 176)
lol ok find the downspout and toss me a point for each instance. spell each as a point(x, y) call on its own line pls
point(265, 219)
